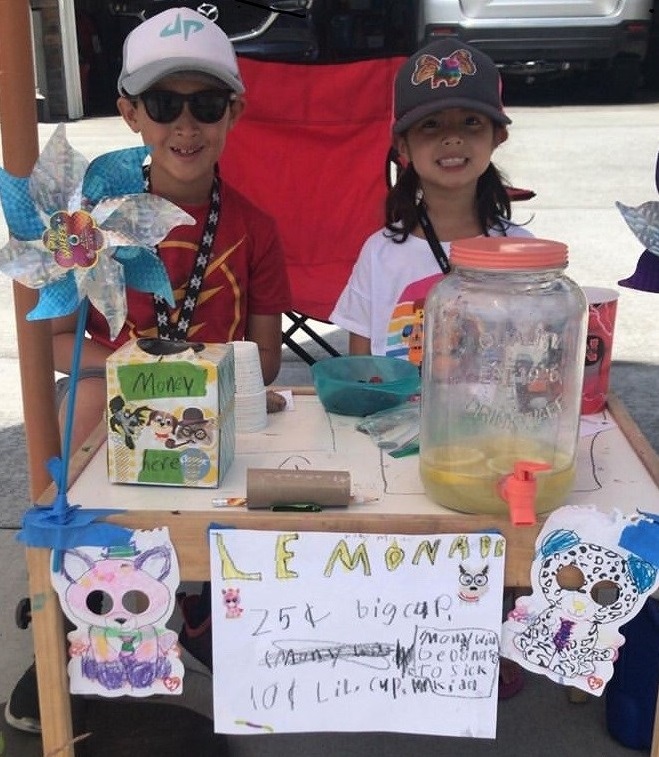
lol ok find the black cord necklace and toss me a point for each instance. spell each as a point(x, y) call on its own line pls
point(435, 244)
point(179, 330)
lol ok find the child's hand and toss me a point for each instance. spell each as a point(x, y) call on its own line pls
point(274, 402)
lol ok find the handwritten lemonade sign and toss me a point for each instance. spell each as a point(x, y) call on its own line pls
point(356, 632)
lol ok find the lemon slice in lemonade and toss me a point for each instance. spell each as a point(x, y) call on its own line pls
point(456, 456)
point(503, 464)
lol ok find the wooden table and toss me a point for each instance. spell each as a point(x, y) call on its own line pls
point(617, 468)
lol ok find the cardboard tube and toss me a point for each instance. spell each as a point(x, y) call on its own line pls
point(272, 486)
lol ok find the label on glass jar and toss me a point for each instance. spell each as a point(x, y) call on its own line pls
point(516, 378)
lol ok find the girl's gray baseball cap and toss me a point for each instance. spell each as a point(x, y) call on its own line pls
point(447, 73)
point(178, 40)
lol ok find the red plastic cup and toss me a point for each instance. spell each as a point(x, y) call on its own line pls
point(602, 307)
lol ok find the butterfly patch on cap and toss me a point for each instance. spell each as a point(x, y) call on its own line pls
point(447, 71)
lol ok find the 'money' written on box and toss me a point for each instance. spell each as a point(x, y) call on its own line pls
point(180, 379)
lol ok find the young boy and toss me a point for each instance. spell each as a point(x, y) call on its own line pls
point(180, 88)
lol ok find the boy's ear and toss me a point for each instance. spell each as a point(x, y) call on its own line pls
point(128, 110)
point(236, 109)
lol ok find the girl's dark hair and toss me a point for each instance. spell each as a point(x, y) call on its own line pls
point(492, 201)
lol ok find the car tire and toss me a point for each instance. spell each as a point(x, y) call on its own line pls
point(620, 83)
point(651, 71)
point(651, 62)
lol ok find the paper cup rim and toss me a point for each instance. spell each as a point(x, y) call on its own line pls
point(600, 295)
point(245, 346)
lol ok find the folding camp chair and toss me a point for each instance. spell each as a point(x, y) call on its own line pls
point(309, 150)
point(304, 323)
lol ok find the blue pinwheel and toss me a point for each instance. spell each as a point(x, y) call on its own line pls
point(81, 233)
point(644, 222)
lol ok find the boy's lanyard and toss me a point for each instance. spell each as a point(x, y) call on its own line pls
point(179, 331)
point(435, 244)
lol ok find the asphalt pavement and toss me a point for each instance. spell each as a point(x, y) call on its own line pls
point(579, 158)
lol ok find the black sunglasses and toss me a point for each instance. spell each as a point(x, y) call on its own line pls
point(207, 106)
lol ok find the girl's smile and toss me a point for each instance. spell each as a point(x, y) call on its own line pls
point(449, 146)
point(452, 162)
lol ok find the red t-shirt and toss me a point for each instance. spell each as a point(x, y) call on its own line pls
point(246, 274)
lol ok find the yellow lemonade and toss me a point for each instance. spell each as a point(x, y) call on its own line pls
point(466, 478)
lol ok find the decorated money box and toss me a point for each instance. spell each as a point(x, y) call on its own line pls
point(170, 416)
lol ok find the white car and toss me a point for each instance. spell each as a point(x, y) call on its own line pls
point(608, 38)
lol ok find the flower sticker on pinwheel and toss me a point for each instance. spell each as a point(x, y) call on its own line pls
point(74, 239)
point(85, 230)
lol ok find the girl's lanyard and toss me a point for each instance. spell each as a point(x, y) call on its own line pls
point(179, 331)
point(435, 244)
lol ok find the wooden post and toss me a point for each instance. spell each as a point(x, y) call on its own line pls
point(49, 646)
point(20, 147)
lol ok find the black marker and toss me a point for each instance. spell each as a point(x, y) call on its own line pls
point(298, 507)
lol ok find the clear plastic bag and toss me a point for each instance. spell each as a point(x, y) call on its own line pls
point(395, 430)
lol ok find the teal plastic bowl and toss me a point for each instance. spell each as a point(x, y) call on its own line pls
point(364, 384)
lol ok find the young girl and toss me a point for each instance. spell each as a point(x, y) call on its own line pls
point(448, 120)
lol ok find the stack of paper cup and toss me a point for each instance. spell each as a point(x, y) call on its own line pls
point(250, 408)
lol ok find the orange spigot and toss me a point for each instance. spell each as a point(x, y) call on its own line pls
point(518, 490)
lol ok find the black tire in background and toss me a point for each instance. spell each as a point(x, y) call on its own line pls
point(651, 62)
point(623, 79)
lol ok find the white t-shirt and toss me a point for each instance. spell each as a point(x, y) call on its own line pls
point(386, 292)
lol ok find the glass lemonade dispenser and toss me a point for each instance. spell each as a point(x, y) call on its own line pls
point(502, 374)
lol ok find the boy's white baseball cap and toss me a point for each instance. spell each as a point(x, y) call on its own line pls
point(178, 40)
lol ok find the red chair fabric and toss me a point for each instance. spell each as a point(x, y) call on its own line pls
point(310, 149)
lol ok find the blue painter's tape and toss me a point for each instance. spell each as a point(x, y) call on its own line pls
point(217, 526)
point(51, 528)
point(642, 538)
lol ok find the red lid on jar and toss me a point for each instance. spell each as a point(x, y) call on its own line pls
point(508, 253)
